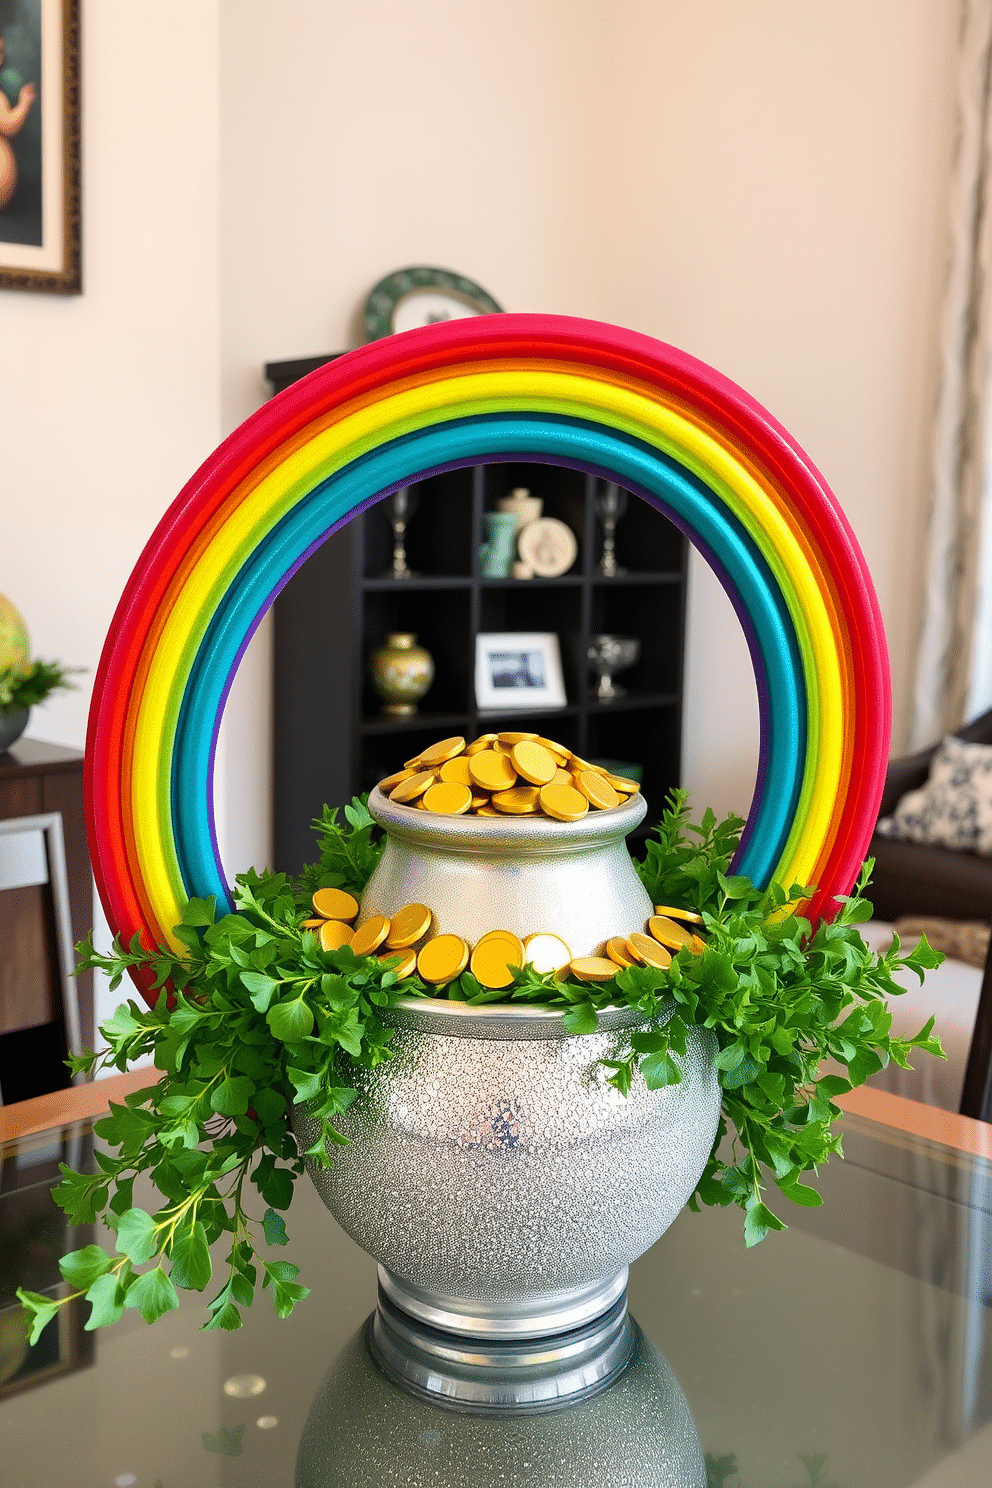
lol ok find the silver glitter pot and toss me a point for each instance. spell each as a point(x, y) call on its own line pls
point(501, 1182)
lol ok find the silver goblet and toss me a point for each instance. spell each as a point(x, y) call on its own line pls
point(609, 504)
point(609, 654)
point(399, 507)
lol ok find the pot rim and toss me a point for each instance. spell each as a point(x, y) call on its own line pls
point(479, 834)
point(500, 1020)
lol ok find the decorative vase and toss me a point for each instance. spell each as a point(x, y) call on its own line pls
point(525, 507)
point(609, 654)
point(401, 673)
point(498, 552)
point(501, 1182)
point(13, 722)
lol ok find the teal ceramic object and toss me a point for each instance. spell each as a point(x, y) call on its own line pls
point(497, 553)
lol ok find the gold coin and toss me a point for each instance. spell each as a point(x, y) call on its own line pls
point(503, 748)
point(311, 924)
point(576, 764)
point(448, 799)
point(679, 914)
point(563, 802)
point(515, 942)
point(546, 952)
point(412, 764)
point(533, 762)
point(514, 738)
point(553, 747)
point(408, 925)
point(479, 798)
point(616, 949)
point(409, 790)
point(597, 790)
point(442, 958)
point(444, 750)
point(334, 934)
point(593, 968)
point(404, 963)
point(492, 958)
point(393, 780)
point(522, 800)
point(621, 783)
point(494, 772)
point(369, 937)
point(335, 904)
point(668, 933)
point(561, 777)
point(455, 771)
point(484, 741)
point(647, 951)
point(486, 811)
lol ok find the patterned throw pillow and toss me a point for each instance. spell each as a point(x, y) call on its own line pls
point(954, 808)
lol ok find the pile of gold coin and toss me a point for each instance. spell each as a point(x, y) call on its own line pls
point(404, 939)
point(506, 775)
point(665, 935)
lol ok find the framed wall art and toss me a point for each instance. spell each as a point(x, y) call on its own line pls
point(518, 670)
point(39, 146)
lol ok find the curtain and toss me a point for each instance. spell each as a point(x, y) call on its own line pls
point(954, 656)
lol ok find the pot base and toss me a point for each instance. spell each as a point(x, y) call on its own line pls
point(490, 1375)
point(536, 1316)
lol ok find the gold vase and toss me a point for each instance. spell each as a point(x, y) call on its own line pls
point(401, 672)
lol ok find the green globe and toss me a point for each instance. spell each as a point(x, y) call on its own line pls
point(15, 648)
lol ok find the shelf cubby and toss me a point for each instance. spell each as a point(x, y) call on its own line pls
point(331, 740)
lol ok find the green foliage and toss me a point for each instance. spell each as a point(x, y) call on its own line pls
point(24, 689)
point(256, 1019)
point(680, 871)
point(253, 1018)
point(348, 855)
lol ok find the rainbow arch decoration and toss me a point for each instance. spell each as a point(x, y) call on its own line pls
point(511, 387)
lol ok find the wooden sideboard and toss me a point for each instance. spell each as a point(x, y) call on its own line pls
point(36, 779)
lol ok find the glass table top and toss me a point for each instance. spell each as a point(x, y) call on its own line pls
point(852, 1351)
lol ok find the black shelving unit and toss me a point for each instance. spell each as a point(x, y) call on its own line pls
point(331, 740)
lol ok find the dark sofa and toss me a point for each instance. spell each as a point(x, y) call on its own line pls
point(910, 879)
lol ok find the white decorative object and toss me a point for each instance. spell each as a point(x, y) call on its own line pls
point(549, 546)
point(525, 507)
point(518, 670)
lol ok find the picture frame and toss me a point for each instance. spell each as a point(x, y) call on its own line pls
point(518, 669)
point(421, 295)
point(39, 146)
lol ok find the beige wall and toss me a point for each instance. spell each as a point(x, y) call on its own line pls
point(110, 400)
point(781, 216)
point(761, 184)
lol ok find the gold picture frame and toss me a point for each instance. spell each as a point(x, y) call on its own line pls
point(39, 146)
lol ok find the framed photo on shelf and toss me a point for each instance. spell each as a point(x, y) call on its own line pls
point(518, 670)
point(39, 146)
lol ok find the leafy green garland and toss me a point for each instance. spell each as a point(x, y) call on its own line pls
point(262, 1019)
point(24, 689)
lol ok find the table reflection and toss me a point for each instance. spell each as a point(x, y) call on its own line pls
point(854, 1350)
point(363, 1431)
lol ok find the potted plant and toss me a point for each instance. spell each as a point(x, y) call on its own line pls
point(256, 1024)
point(22, 682)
